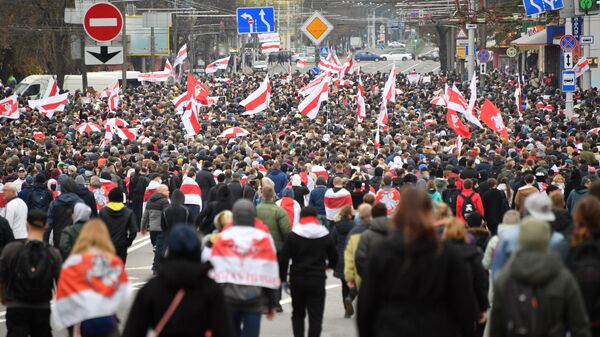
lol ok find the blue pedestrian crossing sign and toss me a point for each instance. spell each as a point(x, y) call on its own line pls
point(255, 20)
point(539, 6)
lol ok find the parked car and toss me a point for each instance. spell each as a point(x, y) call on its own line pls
point(433, 56)
point(397, 56)
point(310, 58)
point(368, 56)
point(396, 44)
point(260, 66)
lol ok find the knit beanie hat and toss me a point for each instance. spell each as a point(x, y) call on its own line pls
point(244, 213)
point(115, 195)
point(183, 243)
point(534, 234)
point(288, 192)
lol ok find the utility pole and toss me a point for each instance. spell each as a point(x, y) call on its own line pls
point(152, 42)
point(586, 78)
point(471, 56)
point(569, 95)
point(124, 43)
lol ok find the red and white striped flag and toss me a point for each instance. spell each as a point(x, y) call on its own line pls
point(320, 171)
point(51, 101)
point(181, 56)
point(190, 119)
point(181, 101)
point(388, 95)
point(306, 90)
point(334, 201)
point(9, 107)
point(113, 99)
point(328, 66)
point(150, 189)
point(310, 227)
point(348, 65)
point(245, 255)
point(127, 133)
point(258, 100)
point(455, 100)
point(301, 62)
point(292, 208)
point(518, 94)
point(360, 98)
point(310, 105)
point(581, 67)
point(191, 190)
point(270, 47)
point(216, 65)
point(458, 144)
point(91, 285)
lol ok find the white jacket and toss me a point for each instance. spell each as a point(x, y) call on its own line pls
point(16, 214)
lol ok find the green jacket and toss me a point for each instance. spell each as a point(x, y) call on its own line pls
point(276, 219)
point(559, 296)
point(68, 238)
point(350, 272)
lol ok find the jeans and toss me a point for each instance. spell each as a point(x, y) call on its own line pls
point(158, 252)
point(24, 322)
point(246, 323)
point(308, 294)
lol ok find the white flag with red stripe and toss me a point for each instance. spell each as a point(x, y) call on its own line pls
point(270, 47)
point(469, 113)
point(113, 99)
point(455, 100)
point(581, 67)
point(51, 101)
point(518, 94)
point(348, 65)
point(191, 190)
point(301, 62)
point(127, 133)
point(181, 101)
point(388, 95)
point(150, 189)
point(91, 285)
point(328, 66)
point(306, 90)
point(245, 255)
point(360, 98)
point(334, 201)
point(181, 56)
point(9, 108)
point(292, 208)
point(258, 100)
point(310, 105)
point(190, 119)
point(216, 65)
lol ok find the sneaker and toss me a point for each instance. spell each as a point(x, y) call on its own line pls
point(349, 308)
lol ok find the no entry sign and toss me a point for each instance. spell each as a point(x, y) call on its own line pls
point(103, 22)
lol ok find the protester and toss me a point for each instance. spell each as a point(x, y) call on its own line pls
point(29, 270)
point(274, 217)
point(511, 219)
point(372, 237)
point(39, 197)
point(290, 206)
point(15, 212)
point(152, 219)
point(317, 198)
point(176, 213)
point(577, 193)
point(340, 232)
point(120, 222)
point(81, 214)
point(523, 192)
point(468, 201)
point(220, 202)
point(351, 275)
point(60, 211)
point(93, 284)
point(414, 286)
point(182, 283)
point(557, 307)
point(312, 251)
point(495, 204)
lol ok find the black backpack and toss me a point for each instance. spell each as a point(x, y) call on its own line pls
point(584, 263)
point(32, 278)
point(523, 311)
point(450, 198)
point(468, 206)
point(38, 199)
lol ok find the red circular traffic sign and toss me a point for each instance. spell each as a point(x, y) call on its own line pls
point(103, 22)
point(250, 21)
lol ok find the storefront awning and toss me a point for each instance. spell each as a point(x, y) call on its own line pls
point(537, 39)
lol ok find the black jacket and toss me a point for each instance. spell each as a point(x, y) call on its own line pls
point(202, 307)
point(174, 215)
point(310, 256)
point(121, 226)
point(205, 180)
point(137, 187)
point(88, 198)
point(480, 280)
point(44, 194)
point(416, 290)
point(299, 193)
point(235, 190)
point(205, 220)
point(495, 205)
point(6, 233)
point(339, 233)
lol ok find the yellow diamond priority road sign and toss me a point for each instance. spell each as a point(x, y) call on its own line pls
point(316, 28)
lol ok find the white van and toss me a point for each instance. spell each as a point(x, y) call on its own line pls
point(34, 86)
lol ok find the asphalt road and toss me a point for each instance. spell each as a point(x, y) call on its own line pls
point(138, 266)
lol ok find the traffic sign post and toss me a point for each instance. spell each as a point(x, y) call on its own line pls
point(589, 39)
point(316, 28)
point(568, 81)
point(568, 61)
point(539, 6)
point(255, 20)
point(483, 56)
point(103, 22)
point(103, 55)
point(568, 42)
point(482, 68)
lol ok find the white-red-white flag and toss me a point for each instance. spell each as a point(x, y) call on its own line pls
point(258, 100)
point(181, 56)
point(348, 65)
point(127, 133)
point(190, 119)
point(518, 94)
point(310, 105)
point(301, 62)
point(306, 90)
point(191, 191)
point(216, 65)
point(469, 113)
point(270, 47)
point(334, 201)
point(455, 100)
point(9, 107)
point(113, 99)
point(360, 98)
point(388, 95)
point(581, 67)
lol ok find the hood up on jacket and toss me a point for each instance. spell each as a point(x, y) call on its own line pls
point(310, 228)
point(380, 225)
point(81, 212)
point(534, 267)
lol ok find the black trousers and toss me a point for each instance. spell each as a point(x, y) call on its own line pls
point(28, 322)
point(308, 295)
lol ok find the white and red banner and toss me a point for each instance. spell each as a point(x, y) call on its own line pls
point(491, 116)
point(245, 255)
point(51, 101)
point(181, 56)
point(456, 124)
point(258, 100)
point(310, 228)
point(518, 102)
point(191, 190)
point(268, 37)
point(90, 285)
point(360, 98)
point(390, 198)
point(216, 65)
point(320, 171)
point(270, 47)
point(310, 105)
point(581, 67)
point(127, 133)
point(190, 120)
point(470, 112)
point(150, 189)
point(388, 95)
point(113, 98)
point(301, 62)
point(9, 107)
point(306, 90)
point(334, 201)
point(292, 208)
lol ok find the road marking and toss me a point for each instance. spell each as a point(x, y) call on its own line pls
point(436, 68)
point(139, 268)
point(139, 245)
point(412, 66)
point(288, 300)
point(103, 22)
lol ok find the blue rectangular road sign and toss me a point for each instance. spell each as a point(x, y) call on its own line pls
point(255, 20)
point(539, 6)
point(568, 81)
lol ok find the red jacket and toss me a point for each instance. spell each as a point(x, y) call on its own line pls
point(475, 197)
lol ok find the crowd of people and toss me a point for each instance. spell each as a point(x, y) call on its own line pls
point(430, 235)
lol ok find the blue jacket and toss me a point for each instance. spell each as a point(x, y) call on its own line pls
point(280, 179)
point(317, 199)
point(509, 244)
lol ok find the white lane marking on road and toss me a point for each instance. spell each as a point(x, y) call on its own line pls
point(139, 245)
point(436, 68)
point(288, 300)
point(138, 268)
point(412, 66)
point(140, 239)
